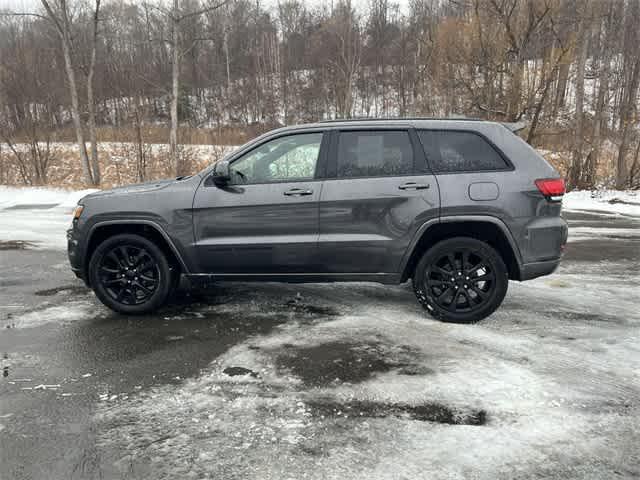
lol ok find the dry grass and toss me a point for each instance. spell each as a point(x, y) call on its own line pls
point(118, 163)
point(118, 154)
point(228, 135)
point(605, 171)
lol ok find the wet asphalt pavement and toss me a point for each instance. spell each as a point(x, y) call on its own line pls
point(78, 379)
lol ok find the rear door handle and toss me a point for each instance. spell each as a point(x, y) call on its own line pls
point(298, 192)
point(414, 186)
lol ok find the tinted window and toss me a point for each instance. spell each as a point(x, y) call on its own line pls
point(459, 152)
point(284, 159)
point(374, 154)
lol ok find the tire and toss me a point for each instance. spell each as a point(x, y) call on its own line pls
point(471, 291)
point(130, 274)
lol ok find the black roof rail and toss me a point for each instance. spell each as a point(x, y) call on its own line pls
point(374, 119)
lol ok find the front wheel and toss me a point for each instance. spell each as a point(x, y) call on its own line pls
point(460, 280)
point(130, 274)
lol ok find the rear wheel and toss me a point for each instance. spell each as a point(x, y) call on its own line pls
point(130, 274)
point(461, 280)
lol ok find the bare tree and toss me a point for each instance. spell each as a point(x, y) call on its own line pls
point(177, 16)
point(342, 36)
point(59, 15)
point(185, 72)
point(575, 171)
point(91, 107)
point(629, 103)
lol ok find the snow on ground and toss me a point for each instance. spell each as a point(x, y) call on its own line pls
point(551, 381)
point(613, 201)
point(590, 233)
point(114, 148)
point(354, 380)
point(11, 197)
point(70, 312)
point(37, 215)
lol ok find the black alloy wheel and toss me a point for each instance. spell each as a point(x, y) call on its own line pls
point(461, 280)
point(130, 274)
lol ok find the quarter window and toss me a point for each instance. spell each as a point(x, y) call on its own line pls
point(459, 152)
point(374, 154)
point(289, 158)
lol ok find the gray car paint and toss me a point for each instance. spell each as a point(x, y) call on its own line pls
point(257, 232)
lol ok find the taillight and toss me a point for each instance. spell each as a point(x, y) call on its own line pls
point(552, 188)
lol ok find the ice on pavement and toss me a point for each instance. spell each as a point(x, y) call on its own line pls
point(552, 394)
point(69, 312)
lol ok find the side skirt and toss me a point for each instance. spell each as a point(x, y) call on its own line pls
point(385, 278)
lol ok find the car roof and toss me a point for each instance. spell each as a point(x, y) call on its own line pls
point(417, 122)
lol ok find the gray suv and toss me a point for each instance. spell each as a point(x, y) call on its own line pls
point(457, 206)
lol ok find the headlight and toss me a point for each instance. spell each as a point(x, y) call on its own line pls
point(77, 211)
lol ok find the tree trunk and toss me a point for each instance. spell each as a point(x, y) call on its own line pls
point(601, 106)
point(95, 166)
point(64, 30)
point(633, 171)
point(561, 88)
point(626, 121)
point(515, 94)
point(575, 172)
point(141, 163)
point(175, 79)
point(75, 111)
point(226, 59)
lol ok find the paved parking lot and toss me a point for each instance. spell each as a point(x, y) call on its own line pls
point(326, 381)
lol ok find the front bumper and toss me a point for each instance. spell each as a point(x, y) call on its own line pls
point(74, 252)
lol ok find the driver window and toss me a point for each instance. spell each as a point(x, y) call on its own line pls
point(288, 158)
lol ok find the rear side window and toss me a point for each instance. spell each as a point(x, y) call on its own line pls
point(451, 151)
point(374, 154)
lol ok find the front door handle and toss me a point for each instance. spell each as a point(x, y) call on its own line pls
point(414, 186)
point(298, 192)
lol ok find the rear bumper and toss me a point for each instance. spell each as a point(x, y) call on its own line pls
point(538, 269)
point(545, 239)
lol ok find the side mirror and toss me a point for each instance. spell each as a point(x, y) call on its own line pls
point(221, 174)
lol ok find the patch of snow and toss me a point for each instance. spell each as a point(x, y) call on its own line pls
point(38, 215)
point(550, 400)
point(60, 198)
point(44, 228)
point(620, 202)
point(69, 312)
point(592, 233)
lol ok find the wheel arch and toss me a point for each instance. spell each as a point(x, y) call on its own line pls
point(145, 228)
point(487, 229)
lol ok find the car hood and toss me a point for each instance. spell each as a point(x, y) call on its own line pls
point(135, 188)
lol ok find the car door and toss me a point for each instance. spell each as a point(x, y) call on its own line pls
point(265, 220)
point(377, 194)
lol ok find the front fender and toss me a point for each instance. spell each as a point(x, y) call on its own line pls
point(179, 253)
